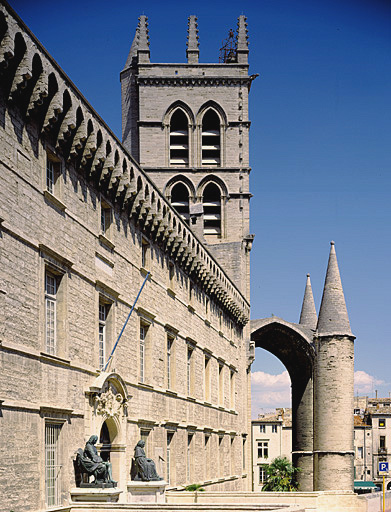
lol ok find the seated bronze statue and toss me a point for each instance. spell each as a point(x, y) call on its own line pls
point(91, 463)
point(145, 468)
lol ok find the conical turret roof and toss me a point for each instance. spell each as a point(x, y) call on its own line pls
point(333, 315)
point(308, 317)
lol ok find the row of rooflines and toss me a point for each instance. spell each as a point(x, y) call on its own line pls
point(31, 78)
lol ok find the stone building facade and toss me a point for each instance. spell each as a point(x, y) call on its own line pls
point(372, 439)
point(81, 226)
point(85, 222)
point(271, 437)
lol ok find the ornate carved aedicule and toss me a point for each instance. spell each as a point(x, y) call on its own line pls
point(107, 400)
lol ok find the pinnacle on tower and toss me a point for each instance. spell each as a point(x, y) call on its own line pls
point(133, 49)
point(143, 40)
point(192, 51)
point(308, 317)
point(242, 40)
point(140, 44)
point(333, 316)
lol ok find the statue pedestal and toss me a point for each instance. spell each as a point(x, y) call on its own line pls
point(95, 494)
point(146, 492)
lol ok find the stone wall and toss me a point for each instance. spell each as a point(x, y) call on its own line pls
point(187, 296)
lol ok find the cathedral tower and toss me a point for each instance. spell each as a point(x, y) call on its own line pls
point(187, 124)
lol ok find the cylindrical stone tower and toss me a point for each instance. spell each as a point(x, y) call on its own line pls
point(333, 388)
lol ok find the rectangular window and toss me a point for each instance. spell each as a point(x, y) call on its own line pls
point(232, 453)
point(232, 389)
point(52, 464)
point(105, 218)
point(189, 457)
point(143, 335)
point(262, 474)
point(207, 456)
point(359, 452)
point(102, 334)
point(207, 378)
point(382, 443)
point(170, 342)
point(274, 429)
point(221, 384)
point(263, 449)
point(189, 371)
point(382, 423)
point(170, 435)
point(50, 175)
point(221, 456)
point(244, 453)
point(262, 429)
point(50, 313)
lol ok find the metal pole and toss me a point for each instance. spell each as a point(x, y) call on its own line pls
point(126, 321)
point(384, 493)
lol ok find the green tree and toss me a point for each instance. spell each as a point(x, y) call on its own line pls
point(281, 476)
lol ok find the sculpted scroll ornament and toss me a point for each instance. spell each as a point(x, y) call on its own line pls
point(109, 404)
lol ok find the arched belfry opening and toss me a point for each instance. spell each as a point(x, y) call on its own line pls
point(179, 139)
point(210, 147)
point(292, 345)
point(211, 200)
point(180, 200)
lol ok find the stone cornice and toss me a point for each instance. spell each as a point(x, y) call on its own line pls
point(186, 81)
point(50, 102)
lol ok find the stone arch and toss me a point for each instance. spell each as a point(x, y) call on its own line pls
point(215, 106)
point(180, 178)
point(178, 124)
point(293, 346)
point(215, 179)
point(174, 106)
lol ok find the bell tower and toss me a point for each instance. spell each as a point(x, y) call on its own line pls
point(187, 124)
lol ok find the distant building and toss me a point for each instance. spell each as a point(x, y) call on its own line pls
point(372, 439)
point(271, 438)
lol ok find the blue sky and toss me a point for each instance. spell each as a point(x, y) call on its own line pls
point(320, 142)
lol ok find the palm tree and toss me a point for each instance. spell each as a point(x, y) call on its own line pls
point(281, 476)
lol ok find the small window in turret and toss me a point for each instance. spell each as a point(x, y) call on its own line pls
point(179, 139)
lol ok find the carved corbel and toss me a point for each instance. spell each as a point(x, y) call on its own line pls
point(68, 124)
point(23, 72)
point(40, 92)
point(54, 110)
point(79, 139)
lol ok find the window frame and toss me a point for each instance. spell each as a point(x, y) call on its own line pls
point(53, 499)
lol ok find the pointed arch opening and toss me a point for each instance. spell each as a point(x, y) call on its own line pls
point(179, 139)
point(180, 200)
point(210, 139)
point(211, 201)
